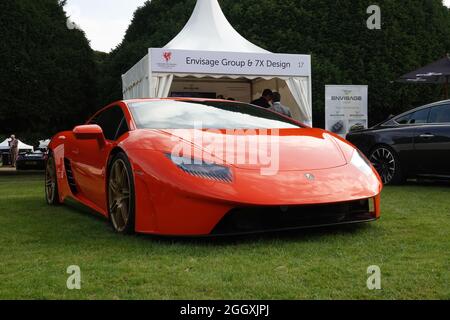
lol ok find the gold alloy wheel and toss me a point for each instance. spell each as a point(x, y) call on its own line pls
point(50, 180)
point(119, 195)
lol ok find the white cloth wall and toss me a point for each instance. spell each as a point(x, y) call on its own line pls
point(160, 85)
point(300, 88)
point(135, 83)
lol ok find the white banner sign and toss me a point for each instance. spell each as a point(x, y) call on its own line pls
point(346, 108)
point(230, 63)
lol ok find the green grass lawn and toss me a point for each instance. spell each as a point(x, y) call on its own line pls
point(411, 244)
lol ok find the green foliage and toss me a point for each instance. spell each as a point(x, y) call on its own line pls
point(47, 78)
point(344, 51)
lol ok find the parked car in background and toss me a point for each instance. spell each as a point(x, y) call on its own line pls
point(413, 144)
point(31, 161)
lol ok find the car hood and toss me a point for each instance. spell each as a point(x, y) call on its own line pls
point(286, 149)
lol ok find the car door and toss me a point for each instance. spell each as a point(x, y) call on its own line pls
point(432, 142)
point(90, 165)
point(401, 137)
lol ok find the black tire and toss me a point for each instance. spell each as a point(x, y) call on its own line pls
point(387, 163)
point(51, 183)
point(121, 195)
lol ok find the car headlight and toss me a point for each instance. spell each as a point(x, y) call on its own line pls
point(201, 169)
point(361, 162)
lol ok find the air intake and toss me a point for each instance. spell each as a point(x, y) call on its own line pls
point(70, 178)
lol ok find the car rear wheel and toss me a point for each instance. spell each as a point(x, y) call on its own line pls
point(387, 163)
point(121, 195)
point(51, 184)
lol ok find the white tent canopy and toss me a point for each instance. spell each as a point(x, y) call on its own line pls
point(4, 146)
point(209, 30)
point(210, 57)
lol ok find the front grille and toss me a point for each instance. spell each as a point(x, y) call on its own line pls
point(70, 178)
point(262, 219)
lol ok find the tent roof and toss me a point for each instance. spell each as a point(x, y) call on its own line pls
point(209, 30)
point(22, 146)
point(436, 72)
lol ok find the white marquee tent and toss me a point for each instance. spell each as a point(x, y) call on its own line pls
point(4, 146)
point(209, 57)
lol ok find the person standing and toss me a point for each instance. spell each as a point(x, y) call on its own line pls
point(278, 107)
point(13, 150)
point(265, 100)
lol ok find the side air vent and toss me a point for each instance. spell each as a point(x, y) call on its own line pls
point(70, 178)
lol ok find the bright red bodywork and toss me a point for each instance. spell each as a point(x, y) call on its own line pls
point(172, 202)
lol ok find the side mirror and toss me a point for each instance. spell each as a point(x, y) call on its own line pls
point(90, 132)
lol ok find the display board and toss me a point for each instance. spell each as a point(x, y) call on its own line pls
point(231, 63)
point(346, 107)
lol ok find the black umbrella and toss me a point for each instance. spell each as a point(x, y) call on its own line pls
point(437, 72)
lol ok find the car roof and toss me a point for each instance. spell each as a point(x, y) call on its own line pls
point(434, 104)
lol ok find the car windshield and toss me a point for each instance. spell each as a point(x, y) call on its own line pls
point(169, 114)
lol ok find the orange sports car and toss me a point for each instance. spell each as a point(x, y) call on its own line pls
point(195, 167)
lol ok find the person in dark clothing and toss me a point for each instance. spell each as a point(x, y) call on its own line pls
point(265, 100)
point(13, 150)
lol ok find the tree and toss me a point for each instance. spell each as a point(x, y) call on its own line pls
point(48, 73)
